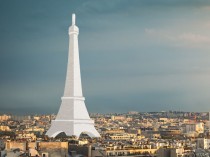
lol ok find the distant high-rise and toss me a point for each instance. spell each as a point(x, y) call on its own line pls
point(73, 117)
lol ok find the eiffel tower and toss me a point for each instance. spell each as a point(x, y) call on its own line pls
point(73, 117)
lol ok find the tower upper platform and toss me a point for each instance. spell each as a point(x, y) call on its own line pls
point(73, 29)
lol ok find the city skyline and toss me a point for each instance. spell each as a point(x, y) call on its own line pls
point(139, 55)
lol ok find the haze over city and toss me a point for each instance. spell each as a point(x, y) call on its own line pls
point(135, 55)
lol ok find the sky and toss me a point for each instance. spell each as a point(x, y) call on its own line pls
point(139, 55)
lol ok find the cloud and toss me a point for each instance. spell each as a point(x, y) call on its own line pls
point(182, 39)
point(206, 8)
point(207, 25)
point(160, 34)
point(194, 38)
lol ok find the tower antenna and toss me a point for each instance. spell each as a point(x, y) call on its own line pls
point(73, 19)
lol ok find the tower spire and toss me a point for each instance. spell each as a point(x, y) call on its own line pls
point(73, 19)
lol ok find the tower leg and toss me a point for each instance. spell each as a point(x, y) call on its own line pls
point(72, 127)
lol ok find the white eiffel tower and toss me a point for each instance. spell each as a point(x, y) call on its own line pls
point(73, 117)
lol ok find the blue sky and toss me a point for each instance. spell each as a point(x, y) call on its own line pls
point(143, 55)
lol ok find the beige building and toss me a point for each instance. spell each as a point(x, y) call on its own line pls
point(47, 149)
point(123, 136)
point(118, 118)
point(4, 128)
point(114, 131)
point(110, 151)
point(28, 136)
point(129, 152)
point(53, 149)
point(4, 117)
